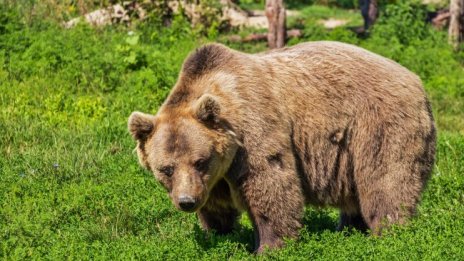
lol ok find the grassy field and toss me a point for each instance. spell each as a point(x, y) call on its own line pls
point(70, 184)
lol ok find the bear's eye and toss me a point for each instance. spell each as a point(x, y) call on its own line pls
point(202, 165)
point(167, 170)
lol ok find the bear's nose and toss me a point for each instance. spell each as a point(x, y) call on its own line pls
point(186, 203)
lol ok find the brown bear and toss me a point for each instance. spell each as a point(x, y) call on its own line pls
point(320, 123)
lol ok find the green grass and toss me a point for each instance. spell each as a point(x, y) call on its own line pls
point(70, 184)
point(315, 13)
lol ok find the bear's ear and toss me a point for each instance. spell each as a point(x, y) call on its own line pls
point(208, 109)
point(141, 125)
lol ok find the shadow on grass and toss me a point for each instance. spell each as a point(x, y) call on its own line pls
point(318, 221)
point(241, 235)
point(314, 221)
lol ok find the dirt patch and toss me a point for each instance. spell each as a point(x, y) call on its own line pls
point(332, 23)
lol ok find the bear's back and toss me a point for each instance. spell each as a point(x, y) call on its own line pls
point(333, 78)
point(344, 65)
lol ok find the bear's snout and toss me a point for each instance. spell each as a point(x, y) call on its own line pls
point(187, 203)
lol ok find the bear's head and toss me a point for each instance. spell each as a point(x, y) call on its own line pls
point(188, 150)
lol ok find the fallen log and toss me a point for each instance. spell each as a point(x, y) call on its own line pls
point(439, 19)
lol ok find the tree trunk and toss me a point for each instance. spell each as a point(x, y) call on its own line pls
point(275, 13)
point(456, 27)
point(369, 11)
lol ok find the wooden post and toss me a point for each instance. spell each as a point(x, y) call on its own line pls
point(276, 16)
point(456, 27)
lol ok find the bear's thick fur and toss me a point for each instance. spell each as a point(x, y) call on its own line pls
point(321, 123)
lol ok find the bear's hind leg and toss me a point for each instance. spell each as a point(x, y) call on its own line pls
point(381, 208)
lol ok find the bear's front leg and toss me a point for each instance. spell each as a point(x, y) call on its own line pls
point(275, 204)
point(220, 220)
point(219, 213)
